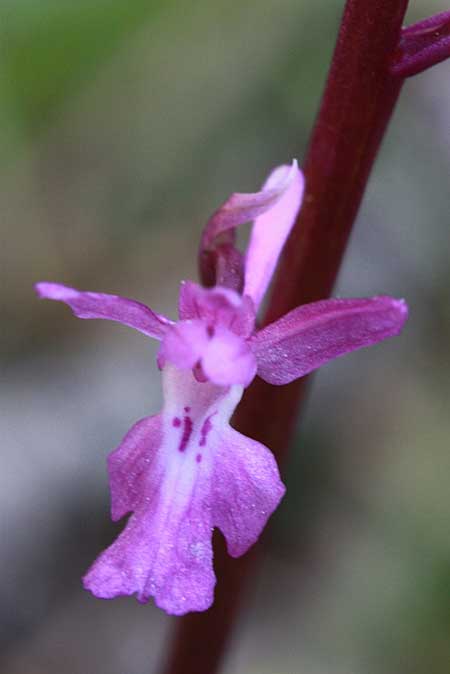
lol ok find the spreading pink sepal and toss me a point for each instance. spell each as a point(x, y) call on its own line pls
point(313, 334)
point(109, 307)
point(182, 473)
point(271, 229)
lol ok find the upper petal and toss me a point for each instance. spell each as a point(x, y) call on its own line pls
point(313, 334)
point(271, 229)
point(238, 209)
point(110, 307)
point(243, 207)
point(184, 344)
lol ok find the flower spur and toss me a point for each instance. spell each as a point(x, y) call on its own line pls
point(186, 470)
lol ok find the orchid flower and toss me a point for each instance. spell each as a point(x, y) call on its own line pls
point(186, 470)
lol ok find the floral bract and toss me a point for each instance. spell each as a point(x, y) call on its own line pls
point(186, 470)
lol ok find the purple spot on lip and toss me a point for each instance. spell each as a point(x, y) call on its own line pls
point(176, 422)
point(187, 409)
point(207, 426)
point(187, 430)
point(210, 331)
point(198, 458)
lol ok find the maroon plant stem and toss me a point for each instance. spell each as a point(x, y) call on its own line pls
point(359, 97)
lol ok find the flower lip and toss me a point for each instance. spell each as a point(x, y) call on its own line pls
point(181, 473)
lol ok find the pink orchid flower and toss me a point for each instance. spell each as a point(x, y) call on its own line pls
point(186, 470)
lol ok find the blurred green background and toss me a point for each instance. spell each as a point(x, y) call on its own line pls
point(122, 126)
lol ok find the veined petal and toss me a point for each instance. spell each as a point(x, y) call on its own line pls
point(217, 306)
point(109, 307)
point(217, 243)
point(165, 550)
point(314, 334)
point(271, 229)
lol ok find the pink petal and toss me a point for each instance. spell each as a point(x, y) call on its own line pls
point(165, 550)
point(217, 307)
point(110, 307)
point(217, 251)
point(246, 490)
point(271, 229)
point(314, 334)
point(244, 207)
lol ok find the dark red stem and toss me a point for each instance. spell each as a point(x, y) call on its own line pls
point(359, 97)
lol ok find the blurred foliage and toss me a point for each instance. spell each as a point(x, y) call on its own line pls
point(51, 47)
